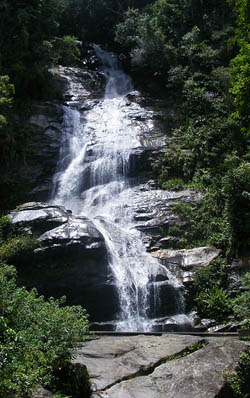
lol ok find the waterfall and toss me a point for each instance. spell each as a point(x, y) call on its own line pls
point(92, 180)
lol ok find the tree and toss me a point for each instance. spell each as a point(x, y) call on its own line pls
point(6, 95)
point(240, 65)
point(24, 25)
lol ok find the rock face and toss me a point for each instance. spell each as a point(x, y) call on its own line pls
point(184, 263)
point(76, 87)
point(153, 214)
point(152, 367)
point(70, 258)
point(82, 89)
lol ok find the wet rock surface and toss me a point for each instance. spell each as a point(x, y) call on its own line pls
point(82, 89)
point(150, 366)
point(184, 263)
point(153, 213)
point(70, 258)
point(55, 226)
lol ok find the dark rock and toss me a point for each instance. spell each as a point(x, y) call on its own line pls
point(184, 263)
point(70, 260)
point(42, 393)
point(234, 283)
point(78, 84)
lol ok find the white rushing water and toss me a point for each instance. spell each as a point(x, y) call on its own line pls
point(92, 181)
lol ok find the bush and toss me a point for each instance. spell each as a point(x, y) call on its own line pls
point(241, 305)
point(174, 184)
point(7, 229)
point(238, 382)
point(67, 50)
point(214, 303)
point(35, 337)
point(17, 247)
point(209, 290)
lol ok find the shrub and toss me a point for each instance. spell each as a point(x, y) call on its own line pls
point(67, 50)
point(214, 303)
point(209, 290)
point(35, 337)
point(241, 305)
point(238, 382)
point(17, 246)
point(174, 184)
point(7, 229)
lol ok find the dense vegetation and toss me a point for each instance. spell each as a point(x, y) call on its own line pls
point(190, 46)
point(199, 53)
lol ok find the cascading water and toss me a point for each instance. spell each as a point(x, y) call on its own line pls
point(92, 180)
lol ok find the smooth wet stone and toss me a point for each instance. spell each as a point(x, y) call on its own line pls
point(38, 217)
point(70, 258)
point(77, 230)
point(53, 224)
point(183, 263)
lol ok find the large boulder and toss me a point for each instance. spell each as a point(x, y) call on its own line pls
point(184, 263)
point(112, 359)
point(158, 366)
point(70, 258)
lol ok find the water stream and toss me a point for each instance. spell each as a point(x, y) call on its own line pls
point(92, 180)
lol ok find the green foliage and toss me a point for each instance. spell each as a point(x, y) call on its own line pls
point(94, 20)
point(187, 351)
point(174, 184)
point(67, 50)
point(171, 35)
point(16, 247)
point(23, 28)
point(7, 229)
point(240, 69)
point(14, 244)
point(241, 304)
point(213, 303)
point(6, 93)
point(240, 65)
point(174, 230)
point(35, 337)
point(238, 382)
point(203, 226)
point(211, 297)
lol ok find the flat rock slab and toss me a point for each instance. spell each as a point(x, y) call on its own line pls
point(111, 359)
point(116, 365)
